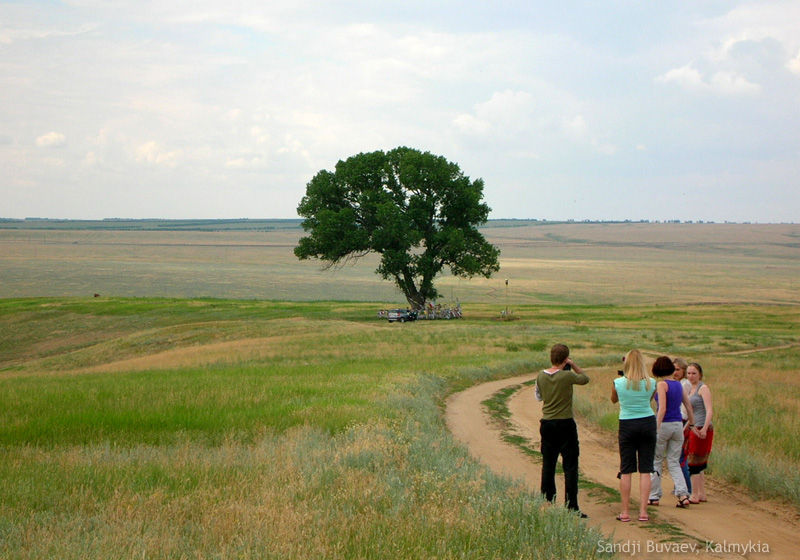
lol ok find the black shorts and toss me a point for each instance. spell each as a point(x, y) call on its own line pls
point(637, 445)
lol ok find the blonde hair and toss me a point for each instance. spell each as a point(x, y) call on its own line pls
point(635, 370)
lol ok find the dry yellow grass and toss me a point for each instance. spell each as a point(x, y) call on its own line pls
point(619, 263)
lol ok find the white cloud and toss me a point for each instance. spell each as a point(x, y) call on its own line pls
point(54, 161)
point(794, 64)
point(507, 110)
point(249, 163)
point(575, 127)
point(749, 40)
point(260, 135)
point(605, 148)
point(730, 83)
point(153, 153)
point(471, 124)
point(686, 76)
point(294, 146)
point(9, 35)
point(722, 82)
point(51, 140)
point(756, 22)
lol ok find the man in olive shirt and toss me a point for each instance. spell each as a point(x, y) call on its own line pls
point(558, 430)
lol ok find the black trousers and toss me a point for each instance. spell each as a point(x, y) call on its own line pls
point(560, 437)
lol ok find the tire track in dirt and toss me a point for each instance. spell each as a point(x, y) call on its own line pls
point(742, 527)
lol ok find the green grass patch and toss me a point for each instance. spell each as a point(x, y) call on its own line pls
point(251, 429)
point(163, 407)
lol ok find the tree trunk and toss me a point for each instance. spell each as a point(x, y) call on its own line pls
point(406, 284)
point(416, 301)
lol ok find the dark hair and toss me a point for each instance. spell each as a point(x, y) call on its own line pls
point(663, 367)
point(558, 354)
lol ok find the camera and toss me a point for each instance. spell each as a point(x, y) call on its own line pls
point(568, 367)
point(620, 372)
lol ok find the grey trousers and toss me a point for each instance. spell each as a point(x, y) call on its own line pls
point(668, 446)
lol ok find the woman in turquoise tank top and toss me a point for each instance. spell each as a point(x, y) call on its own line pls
point(637, 431)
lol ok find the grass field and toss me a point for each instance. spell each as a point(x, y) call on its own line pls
point(189, 428)
point(181, 426)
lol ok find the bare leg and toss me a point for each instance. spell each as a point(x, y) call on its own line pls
point(625, 492)
point(644, 493)
point(699, 487)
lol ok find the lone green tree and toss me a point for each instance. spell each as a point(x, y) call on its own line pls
point(417, 210)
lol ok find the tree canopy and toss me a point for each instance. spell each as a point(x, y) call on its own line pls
point(416, 209)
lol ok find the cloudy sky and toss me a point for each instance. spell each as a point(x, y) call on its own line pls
point(567, 110)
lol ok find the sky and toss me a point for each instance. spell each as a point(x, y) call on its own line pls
point(569, 110)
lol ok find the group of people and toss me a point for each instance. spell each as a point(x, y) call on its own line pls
point(679, 433)
point(675, 430)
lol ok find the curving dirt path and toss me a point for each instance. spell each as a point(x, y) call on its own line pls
point(729, 525)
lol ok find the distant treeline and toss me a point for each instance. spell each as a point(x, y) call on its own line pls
point(245, 224)
point(153, 224)
point(120, 224)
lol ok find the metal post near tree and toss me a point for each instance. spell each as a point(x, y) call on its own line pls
point(506, 297)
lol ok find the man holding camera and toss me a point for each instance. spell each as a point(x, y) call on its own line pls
point(557, 428)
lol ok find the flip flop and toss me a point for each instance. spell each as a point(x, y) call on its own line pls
point(683, 502)
point(652, 502)
point(624, 518)
point(644, 518)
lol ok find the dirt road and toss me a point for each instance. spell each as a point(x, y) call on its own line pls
point(729, 525)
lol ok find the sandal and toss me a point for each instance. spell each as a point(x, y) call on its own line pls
point(683, 502)
point(624, 518)
point(644, 518)
point(652, 502)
